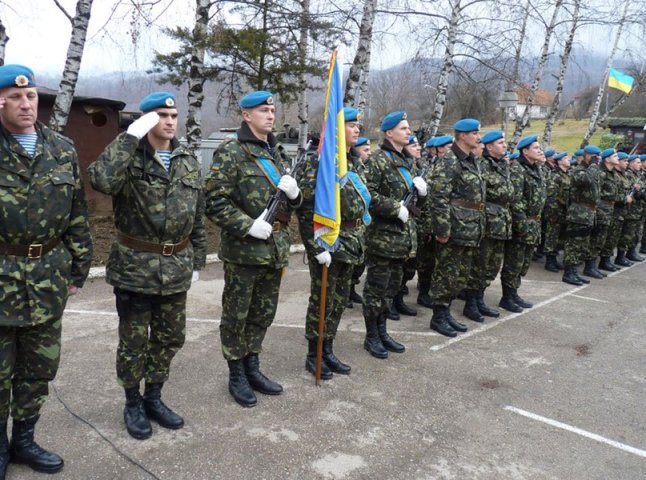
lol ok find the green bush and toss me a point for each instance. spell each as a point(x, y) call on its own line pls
point(610, 140)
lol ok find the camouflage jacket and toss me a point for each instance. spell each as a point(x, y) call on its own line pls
point(387, 236)
point(584, 195)
point(608, 185)
point(499, 194)
point(529, 199)
point(558, 192)
point(153, 205)
point(623, 189)
point(457, 196)
point(237, 192)
point(41, 199)
point(351, 238)
point(634, 210)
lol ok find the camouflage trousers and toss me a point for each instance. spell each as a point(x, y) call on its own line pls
point(410, 267)
point(612, 239)
point(554, 237)
point(629, 234)
point(486, 263)
point(597, 240)
point(339, 280)
point(453, 264)
point(383, 281)
point(152, 329)
point(426, 252)
point(577, 243)
point(357, 271)
point(515, 265)
point(249, 302)
point(29, 358)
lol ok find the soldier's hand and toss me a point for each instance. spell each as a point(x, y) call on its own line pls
point(143, 125)
point(324, 258)
point(629, 199)
point(403, 212)
point(637, 187)
point(420, 186)
point(195, 277)
point(260, 228)
point(441, 240)
point(73, 290)
point(288, 185)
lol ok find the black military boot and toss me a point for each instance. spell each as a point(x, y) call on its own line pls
point(486, 310)
point(471, 307)
point(393, 314)
point(423, 298)
point(157, 410)
point(519, 301)
point(401, 307)
point(387, 341)
point(507, 301)
point(590, 270)
point(570, 276)
point(354, 296)
point(439, 322)
point(455, 325)
point(331, 360)
point(24, 450)
point(621, 259)
point(239, 386)
point(4, 450)
point(633, 257)
point(349, 304)
point(372, 343)
point(550, 263)
point(310, 360)
point(607, 265)
point(258, 381)
point(404, 289)
point(134, 415)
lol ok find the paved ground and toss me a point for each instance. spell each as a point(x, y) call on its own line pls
point(483, 406)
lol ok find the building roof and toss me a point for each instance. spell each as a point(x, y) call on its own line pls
point(628, 122)
point(542, 97)
point(49, 94)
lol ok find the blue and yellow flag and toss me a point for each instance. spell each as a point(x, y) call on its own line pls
point(620, 81)
point(333, 167)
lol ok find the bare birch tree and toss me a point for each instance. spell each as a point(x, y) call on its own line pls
point(4, 38)
point(66, 88)
point(303, 117)
point(360, 68)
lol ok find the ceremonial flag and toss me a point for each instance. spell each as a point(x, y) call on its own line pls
point(620, 81)
point(332, 170)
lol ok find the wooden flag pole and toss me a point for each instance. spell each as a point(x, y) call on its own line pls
point(322, 311)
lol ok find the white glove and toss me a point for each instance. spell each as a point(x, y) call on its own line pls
point(288, 185)
point(420, 185)
point(143, 125)
point(324, 258)
point(403, 212)
point(260, 228)
point(195, 277)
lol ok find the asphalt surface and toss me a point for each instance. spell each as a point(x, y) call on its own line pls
point(557, 392)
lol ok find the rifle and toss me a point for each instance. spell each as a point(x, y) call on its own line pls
point(410, 197)
point(278, 197)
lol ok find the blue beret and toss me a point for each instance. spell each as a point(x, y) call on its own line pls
point(592, 150)
point(467, 125)
point(622, 155)
point(492, 136)
point(351, 114)
point(559, 156)
point(526, 141)
point(550, 152)
point(608, 152)
point(257, 98)
point(430, 143)
point(633, 157)
point(573, 162)
point(578, 153)
point(412, 140)
point(514, 156)
point(443, 140)
point(391, 120)
point(16, 76)
point(362, 141)
point(642, 158)
point(157, 100)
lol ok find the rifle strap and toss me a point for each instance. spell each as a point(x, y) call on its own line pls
point(266, 166)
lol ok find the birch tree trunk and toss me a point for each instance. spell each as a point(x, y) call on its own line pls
point(63, 102)
point(4, 38)
point(196, 78)
point(512, 82)
point(521, 123)
point(360, 68)
point(594, 117)
point(565, 60)
point(303, 118)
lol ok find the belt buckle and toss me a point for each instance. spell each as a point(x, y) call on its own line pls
point(33, 256)
point(276, 226)
point(168, 249)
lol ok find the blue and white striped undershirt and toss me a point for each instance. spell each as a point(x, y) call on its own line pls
point(28, 141)
point(165, 157)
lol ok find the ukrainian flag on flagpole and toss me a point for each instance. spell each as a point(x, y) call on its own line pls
point(620, 81)
point(333, 167)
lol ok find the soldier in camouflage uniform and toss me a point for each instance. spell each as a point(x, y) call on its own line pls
point(247, 171)
point(526, 207)
point(46, 250)
point(622, 201)
point(499, 193)
point(548, 168)
point(555, 210)
point(355, 200)
point(156, 191)
point(457, 222)
point(608, 185)
point(391, 238)
point(580, 217)
point(642, 231)
point(629, 234)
